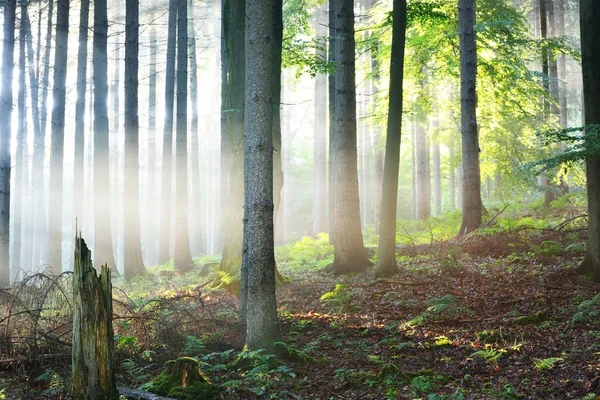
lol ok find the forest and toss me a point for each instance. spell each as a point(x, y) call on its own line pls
point(299, 199)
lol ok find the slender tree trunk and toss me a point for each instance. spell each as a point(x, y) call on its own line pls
point(333, 39)
point(378, 152)
point(414, 168)
point(423, 166)
point(471, 187)
point(152, 216)
point(452, 175)
point(6, 98)
point(234, 36)
point(79, 150)
point(349, 251)
point(132, 245)
point(58, 132)
point(320, 142)
point(437, 171)
point(18, 195)
point(117, 176)
point(262, 324)
point(197, 197)
point(103, 249)
point(167, 153)
point(183, 259)
point(386, 264)
point(39, 152)
point(590, 60)
point(223, 160)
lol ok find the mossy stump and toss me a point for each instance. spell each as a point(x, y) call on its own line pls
point(93, 341)
point(182, 379)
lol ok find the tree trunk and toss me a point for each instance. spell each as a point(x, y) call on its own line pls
point(471, 187)
point(320, 142)
point(19, 168)
point(79, 148)
point(6, 98)
point(590, 60)
point(348, 239)
point(183, 259)
point(223, 159)
point(452, 176)
point(234, 36)
point(413, 163)
point(58, 133)
point(167, 151)
point(133, 263)
point(386, 264)
point(423, 164)
point(332, 206)
point(93, 342)
point(103, 249)
point(378, 153)
point(153, 212)
point(278, 176)
point(259, 259)
point(197, 197)
point(39, 153)
point(437, 171)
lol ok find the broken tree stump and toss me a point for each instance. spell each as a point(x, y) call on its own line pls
point(93, 338)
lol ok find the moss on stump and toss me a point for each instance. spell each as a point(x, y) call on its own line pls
point(182, 379)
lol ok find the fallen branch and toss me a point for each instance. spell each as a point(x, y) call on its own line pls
point(496, 216)
point(133, 394)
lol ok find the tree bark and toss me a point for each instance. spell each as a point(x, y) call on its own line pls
point(262, 324)
point(103, 249)
point(183, 259)
point(79, 148)
point(386, 264)
point(133, 264)
point(423, 162)
point(471, 181)
point(234, 36)
point(590, 60)
point(278, 176)
point(93, 342)
point(333, 39)
point(153, 212)
point(167, 150)
point(437, 170)
point(348, 239)
point(58, 133)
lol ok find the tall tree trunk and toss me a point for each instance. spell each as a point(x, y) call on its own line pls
point(223, 196)
point(386, 264)
point(437, 170)
point(103, 249)
point(58, 133)
point(452, 175)
point(413, 163)
point(197, 197)
point(423, 165)
point(332, 100)
point(234, 147)
point(167, 152)
point(262, 324)
point(19, 169)
point(183, 259)
point(153, 215)
point(116, 172)
point(79, 150)
point(132, 245)
point(378, 152)
point(39, 152)
point(471, 187)
point(590, 60)
point(320, 142)
point(6, 98)
point(348, 239)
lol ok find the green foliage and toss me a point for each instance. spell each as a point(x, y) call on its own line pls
point(537, 318)
point(587, 311)
point(182, 379)
point(339, 297)
point(445, 307)
point(548, 248)
point(545, 364)
point(305, 255)
point(54, 382)
point(490, 355)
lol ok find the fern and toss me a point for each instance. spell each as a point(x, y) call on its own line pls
point(545, 364)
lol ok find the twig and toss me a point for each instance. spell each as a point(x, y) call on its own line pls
point(564, 223)
point(496, 216)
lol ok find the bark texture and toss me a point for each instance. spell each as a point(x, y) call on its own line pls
point(386, 264)
point(103, 249)
point(132, 245)
point(348, 239)
point(471, 181)
point(262, 324)
point(93, 342)
point(590, 60)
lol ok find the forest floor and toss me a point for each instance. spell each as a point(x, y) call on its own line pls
point(500, 316)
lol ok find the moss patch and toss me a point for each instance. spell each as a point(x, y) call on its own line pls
point(182, 379)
